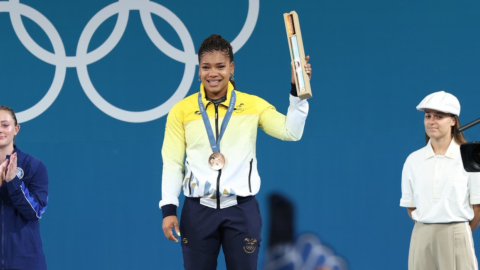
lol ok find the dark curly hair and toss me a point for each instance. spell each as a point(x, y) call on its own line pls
point(216, 43)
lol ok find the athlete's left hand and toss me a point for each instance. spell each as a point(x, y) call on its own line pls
point(307, 68)
point(11, 168)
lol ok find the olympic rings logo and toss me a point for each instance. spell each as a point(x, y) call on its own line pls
point(83, 58)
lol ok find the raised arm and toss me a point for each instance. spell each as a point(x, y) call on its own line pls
point(291, 126)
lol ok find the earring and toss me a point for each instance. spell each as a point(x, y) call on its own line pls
point(231, 77)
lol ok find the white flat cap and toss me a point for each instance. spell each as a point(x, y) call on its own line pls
point(440, 101)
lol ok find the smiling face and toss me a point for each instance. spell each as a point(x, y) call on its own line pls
point(438, 125)
point(8, 129)
point(215, 70)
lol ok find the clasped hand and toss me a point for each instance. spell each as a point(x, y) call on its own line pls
point(8, 169)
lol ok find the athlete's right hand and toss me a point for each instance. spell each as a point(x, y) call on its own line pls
point(3, 166)
point(169, 223)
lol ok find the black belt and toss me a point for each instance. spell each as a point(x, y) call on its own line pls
point(240, 199)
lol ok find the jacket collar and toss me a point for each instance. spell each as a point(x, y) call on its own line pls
point(15, 150)
point(453, 150)
point(225, 103)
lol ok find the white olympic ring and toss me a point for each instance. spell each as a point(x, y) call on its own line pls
point(83, 58)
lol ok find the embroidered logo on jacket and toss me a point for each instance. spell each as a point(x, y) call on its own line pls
point(250, 246)
point(239, 108)
point(19, 173)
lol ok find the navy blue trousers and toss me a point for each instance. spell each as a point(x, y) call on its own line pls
point(237, 229)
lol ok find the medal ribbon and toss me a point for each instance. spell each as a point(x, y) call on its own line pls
point(216, 144)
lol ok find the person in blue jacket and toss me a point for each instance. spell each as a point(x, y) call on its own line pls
point(23, 199)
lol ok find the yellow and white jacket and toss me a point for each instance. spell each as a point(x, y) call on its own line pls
point(185, 133)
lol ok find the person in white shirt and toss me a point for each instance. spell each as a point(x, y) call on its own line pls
point(440, 196)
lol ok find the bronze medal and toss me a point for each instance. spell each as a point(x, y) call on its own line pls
point(217, 161)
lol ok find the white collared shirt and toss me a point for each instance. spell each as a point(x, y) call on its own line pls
point(438, 186)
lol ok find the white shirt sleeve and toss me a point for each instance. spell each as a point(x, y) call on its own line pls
point(407, 199)
point(474, 187)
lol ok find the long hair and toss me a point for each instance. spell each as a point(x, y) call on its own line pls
point(217, 43)
point(457, 136)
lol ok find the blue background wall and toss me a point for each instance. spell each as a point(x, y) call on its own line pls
point(373, 62)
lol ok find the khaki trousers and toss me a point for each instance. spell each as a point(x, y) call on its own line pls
point(446, 246)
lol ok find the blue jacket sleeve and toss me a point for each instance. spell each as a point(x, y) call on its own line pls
point(30, 197)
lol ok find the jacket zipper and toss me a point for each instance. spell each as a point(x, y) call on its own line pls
point(218, 189)
point(3, 231)
point(249, 176)
point(2, 193)
point(190, 184)
point(220, 171)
